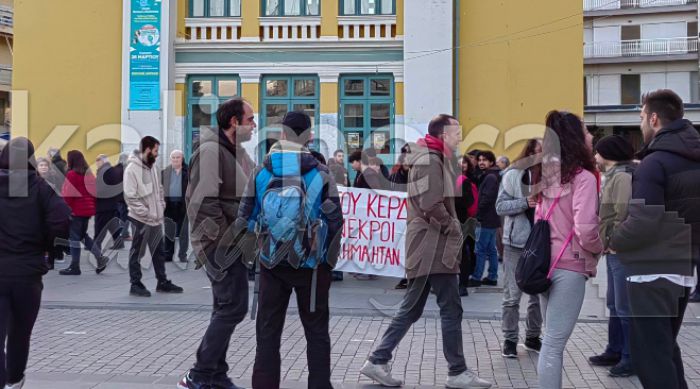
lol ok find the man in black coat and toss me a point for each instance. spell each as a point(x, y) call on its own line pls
point(33, 218)
point(109, 190)
point(660, 239)
point(175, 180)
point(489, 221)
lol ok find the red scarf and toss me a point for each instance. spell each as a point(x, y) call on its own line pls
point(434, 143)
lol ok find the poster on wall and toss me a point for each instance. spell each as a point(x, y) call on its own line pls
point(144, 55)
point(373, 240)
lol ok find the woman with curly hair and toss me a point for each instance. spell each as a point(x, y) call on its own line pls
point(568, 191)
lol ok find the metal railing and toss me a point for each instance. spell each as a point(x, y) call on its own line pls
point(601, 5)
point(641, 47)
point(213, 29)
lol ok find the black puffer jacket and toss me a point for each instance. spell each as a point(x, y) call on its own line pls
point(661, 234)
point(32, 214)
point(488, 193)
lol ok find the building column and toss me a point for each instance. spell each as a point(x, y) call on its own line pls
point(329, 123)
point(250, 22)
point(250, 90)
point(329, 20)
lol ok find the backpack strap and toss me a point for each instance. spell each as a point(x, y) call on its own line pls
point(561, 254)
point(554, 204)
point(314, 187)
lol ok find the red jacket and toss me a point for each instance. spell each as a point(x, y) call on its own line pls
point(79, 193)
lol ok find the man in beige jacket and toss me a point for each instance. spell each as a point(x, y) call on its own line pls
point(143, 194)
point(433, 244)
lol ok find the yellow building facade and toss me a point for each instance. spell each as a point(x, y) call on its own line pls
point(371, 73)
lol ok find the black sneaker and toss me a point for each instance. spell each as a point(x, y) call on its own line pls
point(101, 264)
point(510, 349)
point(489, 282)
point(622, 369)
point(533, 344)
point(139, 290)
point(605, 359)
point(463, 291)
point(70, 272)
point(168, 287)
point(403, 284)
point(473, 283)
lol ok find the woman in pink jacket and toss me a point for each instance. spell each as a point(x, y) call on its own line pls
point(569, 174)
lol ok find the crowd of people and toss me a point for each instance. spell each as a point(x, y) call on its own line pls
point(466, 216)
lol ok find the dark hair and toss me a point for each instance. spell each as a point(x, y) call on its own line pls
point(335, 153)
point(528, 151)
point(565, 133)
point(474, 153)
point(665, 103)
point(77, 163)
point(148, 142)
point(468, 161)
point(355, 156)
point(488, 155)
point(437, 125)
point(234, 107)
point(319, 157)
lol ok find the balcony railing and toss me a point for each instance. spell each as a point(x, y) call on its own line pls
point(213, 29)
point(603, 5)
point(366, 27)
point(284, 29)
point(641, 47)
point(5, 75)
point(6, 20)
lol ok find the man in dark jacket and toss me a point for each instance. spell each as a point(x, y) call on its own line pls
point(489, 221)
point(33, 217)
point(337, 167)
point(659, 239)
point(58, 165)
point(219, 172)
point(109, 191)
point(289, 159)
point(175, 179)
point(367, 177)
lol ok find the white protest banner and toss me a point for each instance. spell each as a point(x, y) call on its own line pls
point(374, 232)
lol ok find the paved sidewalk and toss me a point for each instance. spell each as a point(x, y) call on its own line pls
point(103, 348)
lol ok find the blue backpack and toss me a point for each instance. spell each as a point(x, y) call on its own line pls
point(289, 224)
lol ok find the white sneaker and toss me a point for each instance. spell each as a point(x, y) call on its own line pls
point(466, 380)
point(18, 385)
point(381, 374)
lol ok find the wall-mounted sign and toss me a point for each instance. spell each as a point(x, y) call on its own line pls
point(144, 55)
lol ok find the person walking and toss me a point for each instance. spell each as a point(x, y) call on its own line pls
point(489, 222)
point(466, 203)
point(660, 238)
point(109, 190)
point(569, 199)
point(433, 241)
point(399, 180)
point(175, 181)
point(58, 165)
point(290, 167)
point(517, 205)
point(143, 194)
point(79, 193)
point(337, 167)
point(219, 172)
point(614, 158)
point(43, 168)
point(33, 216)
point(122, 210)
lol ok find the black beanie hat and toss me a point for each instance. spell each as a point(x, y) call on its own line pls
point(297, 121)
point(615, 148)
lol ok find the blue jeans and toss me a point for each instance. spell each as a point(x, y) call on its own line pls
point(618, 304)
point(486, 250)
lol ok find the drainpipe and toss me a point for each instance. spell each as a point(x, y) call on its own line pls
point(455, 55)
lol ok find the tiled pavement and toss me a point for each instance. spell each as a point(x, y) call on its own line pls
point(103, 348)
point(92, 334)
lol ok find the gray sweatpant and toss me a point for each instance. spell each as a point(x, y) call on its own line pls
point(511, 301)
point(561, 305)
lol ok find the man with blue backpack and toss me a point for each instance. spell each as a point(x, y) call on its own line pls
point(292, 204)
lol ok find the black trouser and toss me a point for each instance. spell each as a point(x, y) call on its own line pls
point(150, 237)
point(107, 222)
point(19, 307)
point(77, 234)
point(229, 309)
point(276, 286)
point(123, 215)
point(657, 310)
point(176, 227)
point(466, 266)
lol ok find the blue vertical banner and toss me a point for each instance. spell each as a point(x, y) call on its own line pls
point(144, 55)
